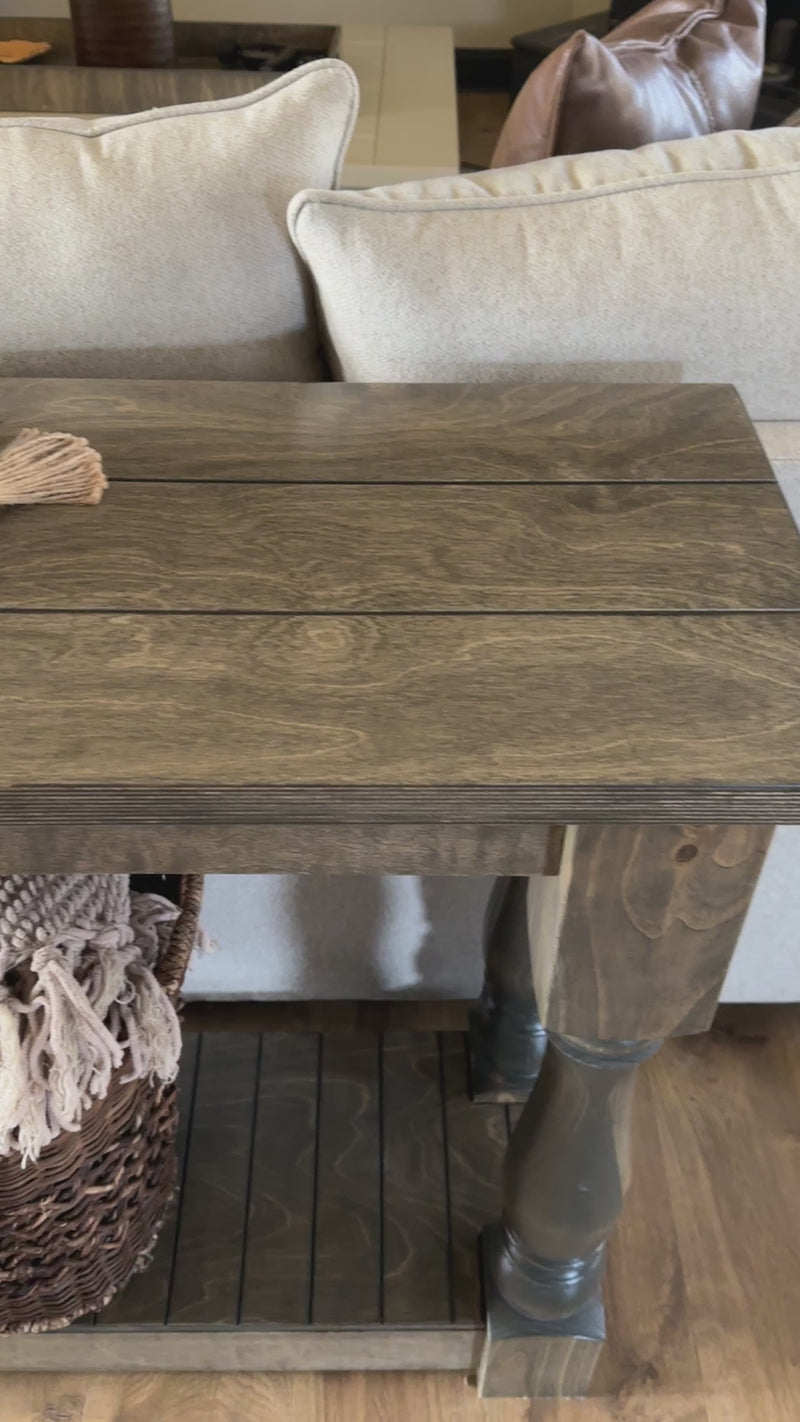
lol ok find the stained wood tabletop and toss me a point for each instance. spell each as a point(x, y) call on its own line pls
point(320, 605)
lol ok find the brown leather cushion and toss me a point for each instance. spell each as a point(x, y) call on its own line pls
point(676, 69)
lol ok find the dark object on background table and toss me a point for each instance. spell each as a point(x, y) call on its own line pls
point(276, 59)
point(133, 34)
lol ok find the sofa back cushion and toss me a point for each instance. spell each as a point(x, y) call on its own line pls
point(155, 245)
point(676, 69)
point(679, 260)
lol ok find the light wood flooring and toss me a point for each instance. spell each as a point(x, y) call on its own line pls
point(480, 119)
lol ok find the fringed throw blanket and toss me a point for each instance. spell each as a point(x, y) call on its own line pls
point(78, 999)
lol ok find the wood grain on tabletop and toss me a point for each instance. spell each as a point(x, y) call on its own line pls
point(300, 549)
point(426, 638)
point(447, 702)
point(388, 433)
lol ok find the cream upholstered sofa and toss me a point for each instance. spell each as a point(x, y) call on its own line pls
point(158, 245)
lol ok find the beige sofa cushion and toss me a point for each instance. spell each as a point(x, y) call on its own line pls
point(681, 259)
point(155, 245)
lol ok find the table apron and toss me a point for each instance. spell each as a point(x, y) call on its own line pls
point(252, 848)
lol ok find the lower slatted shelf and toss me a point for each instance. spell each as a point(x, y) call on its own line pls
point(333, 1188)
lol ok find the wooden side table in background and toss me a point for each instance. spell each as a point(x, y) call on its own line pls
point(549, 633)
point(407, 124)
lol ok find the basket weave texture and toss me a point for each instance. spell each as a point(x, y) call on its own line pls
point(79, 1221)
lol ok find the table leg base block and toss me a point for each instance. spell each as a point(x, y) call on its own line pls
point(523, 1357)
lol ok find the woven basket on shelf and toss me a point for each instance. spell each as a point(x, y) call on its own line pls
point(79, 1221)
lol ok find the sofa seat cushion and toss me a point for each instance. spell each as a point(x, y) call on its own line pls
point(676, 261)
point(155, 245)
point(676, 69)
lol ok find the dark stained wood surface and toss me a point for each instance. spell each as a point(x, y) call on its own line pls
point(56, 85)
point(194, 39)
point(362, 1147)
point(398, 433)
point(88, 91)
point(347, 1228)
point(634, 936)
point(465, 709)
point(618, 639)
point(476, 1144)
point(206, 1283)
point(276, 1284)
point(415, 1205)
point(252, 848)
point(295, 548)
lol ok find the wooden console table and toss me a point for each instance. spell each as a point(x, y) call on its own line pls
point(549, 633)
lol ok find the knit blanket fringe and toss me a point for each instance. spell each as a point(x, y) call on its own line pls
point(79, 999)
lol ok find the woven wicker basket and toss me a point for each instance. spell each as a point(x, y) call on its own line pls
point(76, 1224)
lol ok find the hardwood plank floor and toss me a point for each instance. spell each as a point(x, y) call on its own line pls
point(480, 119)
point(703, 1309)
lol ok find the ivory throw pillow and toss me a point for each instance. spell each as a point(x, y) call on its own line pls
point(606, 265)
point(155, 245)
point(676, 69)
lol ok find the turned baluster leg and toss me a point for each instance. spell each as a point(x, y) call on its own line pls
point(633, 939)
point(506, 1039)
